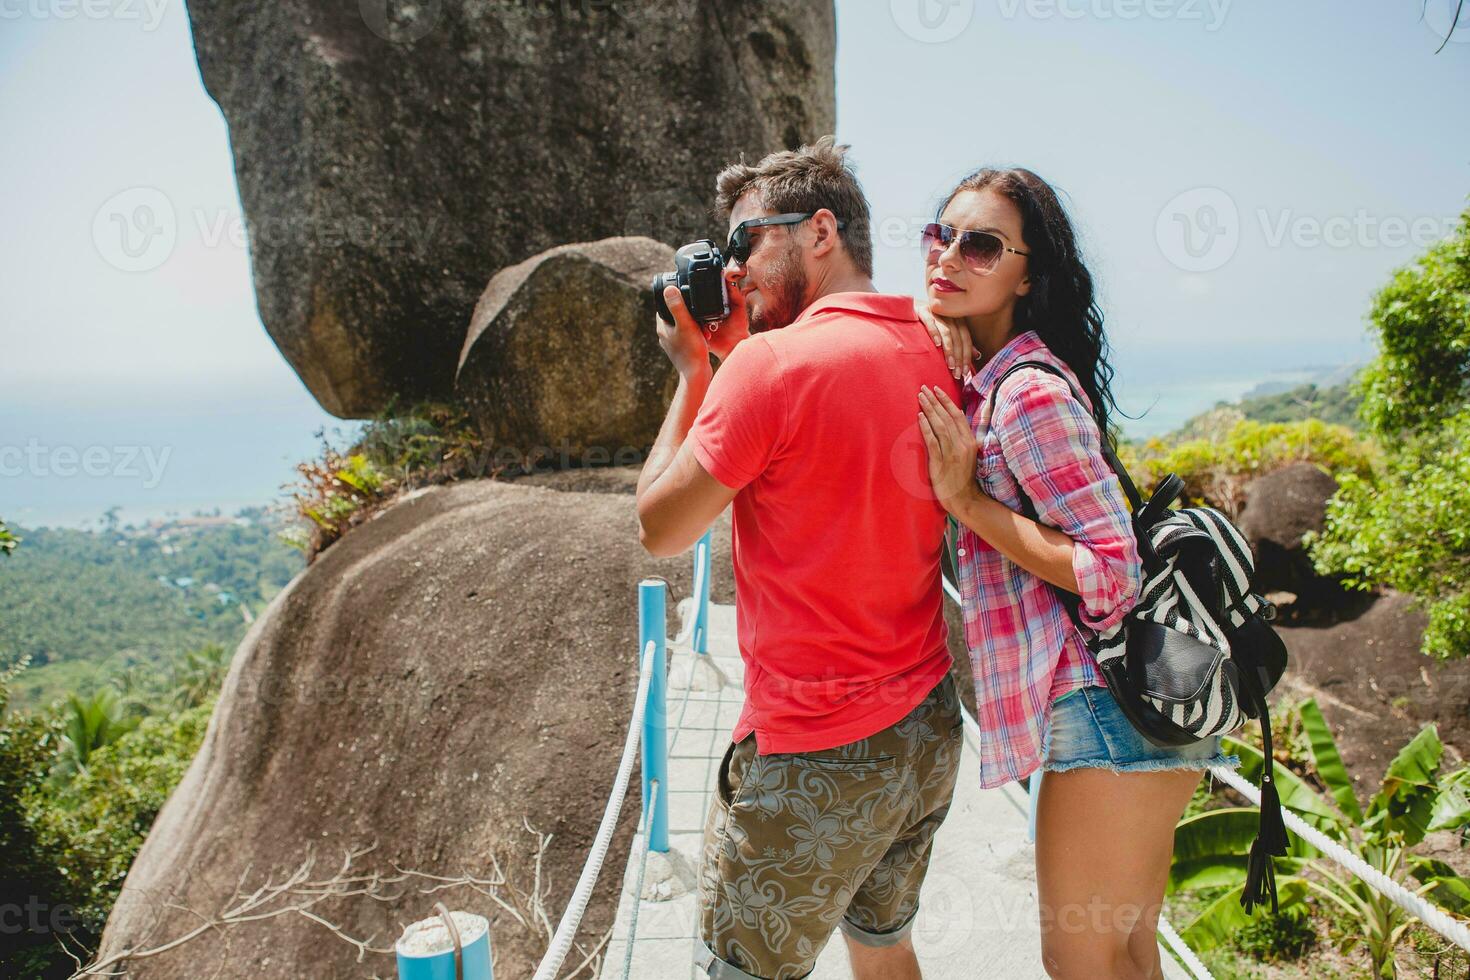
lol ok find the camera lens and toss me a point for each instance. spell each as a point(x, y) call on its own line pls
point(659, 282)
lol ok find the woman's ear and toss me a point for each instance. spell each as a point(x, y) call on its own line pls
point(1024, 286)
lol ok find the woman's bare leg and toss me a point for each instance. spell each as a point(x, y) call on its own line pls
point(1104, 841)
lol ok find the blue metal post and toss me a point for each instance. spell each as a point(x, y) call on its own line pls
point(1035, 788)
point(651, 626)
point(701, 615)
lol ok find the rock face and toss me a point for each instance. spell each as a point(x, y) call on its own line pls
point(1280, 508)
point(392, 157)
point(461, 662)
point(1374, 685)
point(562, 365)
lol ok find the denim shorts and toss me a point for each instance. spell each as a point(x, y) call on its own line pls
point(1089, 730)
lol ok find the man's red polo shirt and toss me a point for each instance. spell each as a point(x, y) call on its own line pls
point(837, 531)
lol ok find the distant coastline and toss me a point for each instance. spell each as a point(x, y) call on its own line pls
point(1163, 406)
point(1177, 403)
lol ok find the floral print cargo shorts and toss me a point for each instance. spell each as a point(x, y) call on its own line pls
point(796, 844)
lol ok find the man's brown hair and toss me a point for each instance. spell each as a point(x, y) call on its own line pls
point(805, 179)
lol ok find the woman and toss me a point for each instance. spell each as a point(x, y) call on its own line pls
point(1003, 276)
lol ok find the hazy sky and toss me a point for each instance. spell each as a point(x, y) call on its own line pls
point(1245, 176)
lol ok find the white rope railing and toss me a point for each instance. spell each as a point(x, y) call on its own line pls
point(1181, 949)
point(646, 832)
point(571, 919)
point(1431, 915)
point(1416, 905)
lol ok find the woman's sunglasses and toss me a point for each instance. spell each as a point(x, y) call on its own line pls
point(740, 245)
point(980, 250)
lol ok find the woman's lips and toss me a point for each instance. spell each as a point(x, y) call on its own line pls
point(943, 285)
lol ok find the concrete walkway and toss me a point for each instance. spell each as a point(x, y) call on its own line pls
point(977, 913)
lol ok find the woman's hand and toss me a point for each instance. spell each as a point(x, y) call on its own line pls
point(952, 449)
point(959, 348)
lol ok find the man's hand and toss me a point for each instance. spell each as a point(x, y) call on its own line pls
point(724, 335)
point(683, 340)
point(677, 500)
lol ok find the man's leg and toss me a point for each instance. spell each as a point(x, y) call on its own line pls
point(789, 838)
point(880, 918)
point(896, 962)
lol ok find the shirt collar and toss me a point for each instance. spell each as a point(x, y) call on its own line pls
point(885, 305)
point(1015, 350)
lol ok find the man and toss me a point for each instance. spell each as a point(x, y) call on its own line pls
point(843, 762)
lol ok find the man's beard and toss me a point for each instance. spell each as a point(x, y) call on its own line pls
point(781, 293)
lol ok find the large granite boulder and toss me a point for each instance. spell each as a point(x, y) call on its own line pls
point(392, 157)
point(561, 365)
point(1280, 508)
point(461, 662)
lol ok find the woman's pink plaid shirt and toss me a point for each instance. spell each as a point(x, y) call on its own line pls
point(1024, 648)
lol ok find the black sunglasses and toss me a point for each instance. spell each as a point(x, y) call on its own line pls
point(980, 250)
point(739, 246)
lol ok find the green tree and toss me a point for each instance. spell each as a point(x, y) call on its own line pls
point(87, 606)
point(1337, 405)
point(28, 875)
point(95, 822)
point(89, 724)
point(1421, 321)
point(1404, 526)
point(197, 678)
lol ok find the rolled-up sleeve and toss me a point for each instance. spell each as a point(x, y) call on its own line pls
point(1052, 446)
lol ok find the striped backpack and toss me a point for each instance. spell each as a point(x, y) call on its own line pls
point(1196, 656)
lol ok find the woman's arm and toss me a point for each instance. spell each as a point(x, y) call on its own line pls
point(1084, 542)
point(1043, 551)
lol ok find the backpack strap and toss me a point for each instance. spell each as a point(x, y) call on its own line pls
point(1135, 500)
point(1071, 601)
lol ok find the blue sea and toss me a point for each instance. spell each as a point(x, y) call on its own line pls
point(175, 450)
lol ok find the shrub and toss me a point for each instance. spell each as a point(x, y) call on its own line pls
point(1414, 799)
point(335, 493)
point(94, 823)
point(1274, 938)
point(428, 443)
point(432, 442)
point(28, 875)
point(1216, 470)
point(1406, 528)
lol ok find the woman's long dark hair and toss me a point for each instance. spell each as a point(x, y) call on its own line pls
point(1061, 306)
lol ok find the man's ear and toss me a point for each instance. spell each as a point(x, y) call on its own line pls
point(824, 231)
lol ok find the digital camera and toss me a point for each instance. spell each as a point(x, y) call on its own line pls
point(699, 272)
